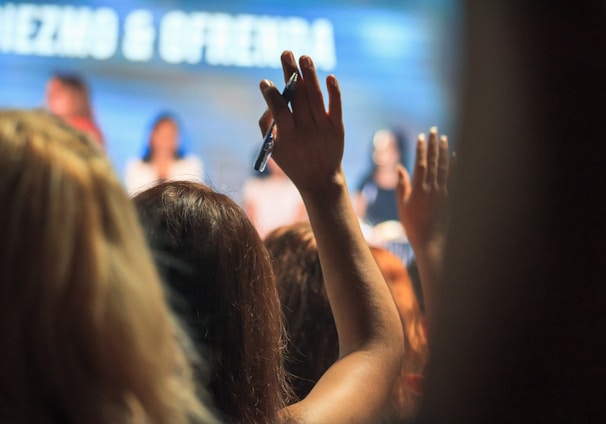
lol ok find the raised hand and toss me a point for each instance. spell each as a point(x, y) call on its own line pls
point(309, 144)
point(423, 204)
point(422, 207)
point(309, 141)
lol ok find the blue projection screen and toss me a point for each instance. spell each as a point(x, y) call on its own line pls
point(202, 60)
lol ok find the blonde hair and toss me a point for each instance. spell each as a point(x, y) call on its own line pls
point(87, 334)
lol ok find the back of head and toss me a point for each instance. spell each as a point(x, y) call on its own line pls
point(313, 343)
point(86, 332)
point(76, 90)
point(408, 393)
point(222, 282)
point(400, 284)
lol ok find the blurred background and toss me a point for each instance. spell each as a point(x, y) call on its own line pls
point(397, 63)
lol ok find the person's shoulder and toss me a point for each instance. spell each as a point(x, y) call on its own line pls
point(191, 158)
point(191, 161)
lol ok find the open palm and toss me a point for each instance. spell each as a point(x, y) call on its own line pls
point(422, 204)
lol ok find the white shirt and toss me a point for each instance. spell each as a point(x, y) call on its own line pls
point(274, 202)
point(141, 175)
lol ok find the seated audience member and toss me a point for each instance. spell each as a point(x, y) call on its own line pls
point(408, 393)
point(272, 200)
point(67, 96)
point(86, 332)
point(163, 159)
point(208, 242)
point(312, 344)
point(222, 285)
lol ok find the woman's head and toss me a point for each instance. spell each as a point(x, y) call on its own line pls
point(87, 335)
point(312, 336)
point(222, 283)
point(163, 138)
point(388, 148)
point(400, 284)
point(67, 96)
point(408, 392)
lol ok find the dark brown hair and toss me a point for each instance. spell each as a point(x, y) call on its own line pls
point(223, 285)
point(313, 344)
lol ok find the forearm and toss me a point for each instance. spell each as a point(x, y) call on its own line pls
point(364, 311)
point(430, 260)
point(356, 387)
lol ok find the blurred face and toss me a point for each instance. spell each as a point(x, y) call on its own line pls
point(385, 148)
point(164, 139)
point(59, 98)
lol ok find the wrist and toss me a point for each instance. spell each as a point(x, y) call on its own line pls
point(431, 251)
point(327, 190)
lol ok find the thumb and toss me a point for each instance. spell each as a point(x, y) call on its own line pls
point(404, 187)
point(265, 121)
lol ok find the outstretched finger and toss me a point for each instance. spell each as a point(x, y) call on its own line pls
point(432, 158)
point(313, 89)
point(404, 187)
point(289, 65)
point(443, 164)
point(420, 172)
point(299, 101)
point(335, 111)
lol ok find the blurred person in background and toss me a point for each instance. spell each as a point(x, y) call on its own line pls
point(271, 200)
point(68, 97)
point(164, 157)
point(374, 198)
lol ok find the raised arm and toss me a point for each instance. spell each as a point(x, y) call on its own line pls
point(422, 210)
point(309, 148)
